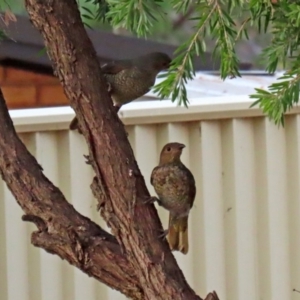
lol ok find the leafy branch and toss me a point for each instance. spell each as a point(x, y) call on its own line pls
point(182, 68)
point(216, 19)
point(223, 28)
point(181, 5)
point(280, 96)
point(211, 18)
point(135, 15)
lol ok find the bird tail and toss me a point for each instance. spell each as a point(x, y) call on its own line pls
point(178, 234)
point(74, 124)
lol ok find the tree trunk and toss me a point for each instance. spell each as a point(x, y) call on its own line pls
point(135, 261)
point(61, 229)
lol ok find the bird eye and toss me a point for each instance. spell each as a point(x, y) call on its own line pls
point(168, 149)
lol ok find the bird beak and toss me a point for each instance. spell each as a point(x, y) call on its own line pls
point(181, 146)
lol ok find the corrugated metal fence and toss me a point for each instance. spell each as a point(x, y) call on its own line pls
point(244, 227)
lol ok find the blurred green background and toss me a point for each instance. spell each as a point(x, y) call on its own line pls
point(172, 28)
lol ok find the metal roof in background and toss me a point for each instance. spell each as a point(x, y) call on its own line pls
point(22, 50)
point(24, 45)
point(208, 84)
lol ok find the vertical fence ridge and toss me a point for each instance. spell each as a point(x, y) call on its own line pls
point(213, 207)
point(229, 212)
point(278, 211)
point(293, 171)
point(245, 216)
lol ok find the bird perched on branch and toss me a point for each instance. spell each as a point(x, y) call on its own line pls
point(176, 190)
point(131, 78)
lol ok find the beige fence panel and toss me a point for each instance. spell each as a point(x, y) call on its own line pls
point(244, 228)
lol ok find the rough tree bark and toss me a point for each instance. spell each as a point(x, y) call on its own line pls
point(62, 230)
point(136, 262)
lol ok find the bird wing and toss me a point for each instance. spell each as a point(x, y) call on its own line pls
point(184, 182)
point(192, 191)
point(115, 67)
point(153, 174)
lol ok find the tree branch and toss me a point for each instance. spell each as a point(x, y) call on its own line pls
point(135, 225)
point(182, 18)
point(62, 230)
point(149, 270)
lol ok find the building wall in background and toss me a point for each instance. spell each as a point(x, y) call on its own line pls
point(27, 89)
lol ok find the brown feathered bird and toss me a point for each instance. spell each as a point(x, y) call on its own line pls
point(131, 78)
point(176, 189)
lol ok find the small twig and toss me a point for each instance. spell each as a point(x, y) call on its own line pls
point(40, 224)
point(183, 18)
point(212, 296)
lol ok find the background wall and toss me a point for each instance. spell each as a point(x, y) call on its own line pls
point(23, 88)
point(244, 228)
